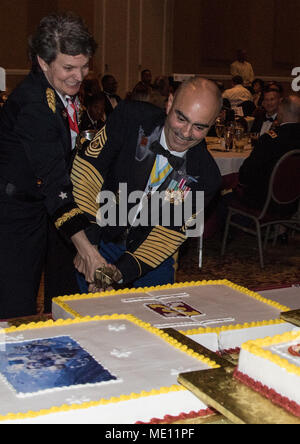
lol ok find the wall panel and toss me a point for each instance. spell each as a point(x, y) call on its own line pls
point(286, 32)
point(152, 36)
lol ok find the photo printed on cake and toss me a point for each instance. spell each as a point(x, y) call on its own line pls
point(30, 367)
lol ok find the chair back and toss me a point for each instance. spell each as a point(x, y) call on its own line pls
point(284, 183)
point(248, 107)
point(286, 178)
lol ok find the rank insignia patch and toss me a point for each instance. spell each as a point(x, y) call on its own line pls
point(96, 146)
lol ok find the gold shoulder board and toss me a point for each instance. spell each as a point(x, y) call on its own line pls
point(51, 99)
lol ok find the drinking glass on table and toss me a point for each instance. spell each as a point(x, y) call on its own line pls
point(219, 129)
point(228, 137)
point(240, 140)
point(254, 137)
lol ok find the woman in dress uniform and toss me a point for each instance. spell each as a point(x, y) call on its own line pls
point(38, 215)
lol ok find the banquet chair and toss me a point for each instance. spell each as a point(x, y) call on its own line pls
point(283, 190)
point(248, 108)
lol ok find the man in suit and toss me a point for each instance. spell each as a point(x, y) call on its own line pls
point(110, 87)
point(38, 214)
point(271, 101)
point(148, 152)
point(255, 172)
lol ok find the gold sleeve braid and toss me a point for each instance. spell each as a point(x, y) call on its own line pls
point(159, 245)
point(87, 183)
point(67, 216)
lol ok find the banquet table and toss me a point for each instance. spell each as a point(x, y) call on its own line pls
point(229, 162)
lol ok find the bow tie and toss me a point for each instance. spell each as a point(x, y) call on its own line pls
point(111, 96)
point(269, 119)
point(175, 162)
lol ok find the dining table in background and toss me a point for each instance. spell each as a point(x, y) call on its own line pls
point(229, 162)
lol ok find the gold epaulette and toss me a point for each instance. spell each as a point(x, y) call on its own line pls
point(272, 134)
point(51, 99)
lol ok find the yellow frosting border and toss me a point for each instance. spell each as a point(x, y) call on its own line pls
point(256, 347)
point(148, 327)
point(219, 330)
point(62, 302)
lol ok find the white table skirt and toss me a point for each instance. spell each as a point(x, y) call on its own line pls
point(229, 162)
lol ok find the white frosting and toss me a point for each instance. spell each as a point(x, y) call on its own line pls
point(231, 339)
point(218, 305)
point(152, 364)
point(125, 412)
point(271, 375)
point(287, 296)
point(235, 338)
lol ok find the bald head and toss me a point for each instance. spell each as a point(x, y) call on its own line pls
point(289, 110)
point(191, 112)
point(202, 89)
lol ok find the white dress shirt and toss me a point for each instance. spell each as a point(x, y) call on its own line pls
point(266, 126)
point(243, 69)
point(237, 95)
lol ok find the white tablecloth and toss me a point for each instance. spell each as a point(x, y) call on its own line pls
point(228, 162)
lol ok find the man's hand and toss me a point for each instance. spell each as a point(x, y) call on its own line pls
point(88, 259)
point(107, 276)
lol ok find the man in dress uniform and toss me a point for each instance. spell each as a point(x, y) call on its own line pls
point(254, 174)
point(147, 151)
point(35, 160)
point(266, 121)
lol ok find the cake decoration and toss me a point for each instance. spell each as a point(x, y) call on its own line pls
point(294, 350)
point(153, 354)
point(271, 366)
point(185, 306)
point(31, 367)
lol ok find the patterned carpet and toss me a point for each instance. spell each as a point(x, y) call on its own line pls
point(241, 262)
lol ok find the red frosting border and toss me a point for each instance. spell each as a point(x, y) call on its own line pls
point(272, 395)
point(183, 416)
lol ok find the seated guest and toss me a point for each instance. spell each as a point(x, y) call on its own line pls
point(89, 87)
point(110, 87)
point(140, 93)
point(255, 172)
point(93, 118)
point(226, 116)
point(267, 119)
point(242, 68)
point(275, 85)
point(238, 93)
point(3, 97)
point(257, 88)
point(146, 79)
point(160, 92)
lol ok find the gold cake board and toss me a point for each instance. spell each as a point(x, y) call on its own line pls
point(234, 400)
point(293, 317)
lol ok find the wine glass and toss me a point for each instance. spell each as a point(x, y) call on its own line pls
point(219, 129)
